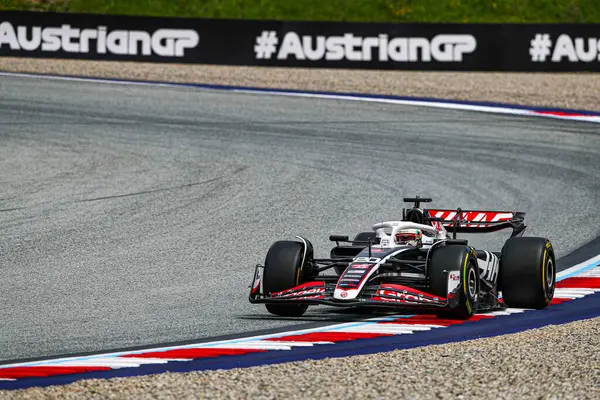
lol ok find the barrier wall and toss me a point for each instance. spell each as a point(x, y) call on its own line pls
point(453, 47)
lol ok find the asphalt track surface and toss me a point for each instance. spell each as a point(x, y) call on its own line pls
point(133, 215)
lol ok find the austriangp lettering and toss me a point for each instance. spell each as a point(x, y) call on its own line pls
point(565, 48)
point(383, 48)
point(576, 50)
point(162, 42)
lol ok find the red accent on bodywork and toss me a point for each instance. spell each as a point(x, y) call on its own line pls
point(401, 300)
point(329, 337)
point(256, 287)
point(40, 371)
point(302, 298)
point(308, 285)
point(194, 353)
point(582, 282)
point(472, 216)
point(360, 267)
point(409, 290)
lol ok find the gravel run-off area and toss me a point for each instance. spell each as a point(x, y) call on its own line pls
point(563, 90)
point(555, 362)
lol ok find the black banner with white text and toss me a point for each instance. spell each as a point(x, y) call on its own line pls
point(451, 47)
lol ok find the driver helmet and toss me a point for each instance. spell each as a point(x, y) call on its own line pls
point(409, 236)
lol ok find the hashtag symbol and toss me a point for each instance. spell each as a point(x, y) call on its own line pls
point(266, 44)
point(540, 47)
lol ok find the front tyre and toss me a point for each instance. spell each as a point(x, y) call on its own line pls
point(283, 270)
point(456, 258)
point(527, 272)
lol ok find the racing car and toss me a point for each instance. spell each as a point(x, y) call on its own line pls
point(416, 264)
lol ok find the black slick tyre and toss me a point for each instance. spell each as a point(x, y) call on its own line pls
point(456, 258)
point(283, 270)
point(527, 272)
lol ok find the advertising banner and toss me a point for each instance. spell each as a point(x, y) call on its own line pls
point(440, 47)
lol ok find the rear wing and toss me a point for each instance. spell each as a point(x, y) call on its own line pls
point(476, 221)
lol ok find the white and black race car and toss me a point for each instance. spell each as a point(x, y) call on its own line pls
point(412, 264)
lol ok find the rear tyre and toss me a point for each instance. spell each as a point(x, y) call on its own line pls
point(283, 270)
point(456, 258)
point(527, 272)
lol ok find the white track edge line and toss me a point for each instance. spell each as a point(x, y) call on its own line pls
point(446, 104)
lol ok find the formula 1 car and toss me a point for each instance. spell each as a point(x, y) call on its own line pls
point(412, 264)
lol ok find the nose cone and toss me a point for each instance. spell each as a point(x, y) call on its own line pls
point(345, 294)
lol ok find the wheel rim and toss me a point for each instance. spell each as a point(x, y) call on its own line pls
point(549, 275)
point(472, 283)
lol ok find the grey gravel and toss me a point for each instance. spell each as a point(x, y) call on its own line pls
point(567, 90)
point(555, 362)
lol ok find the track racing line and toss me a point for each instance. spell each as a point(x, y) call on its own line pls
point(575, 298)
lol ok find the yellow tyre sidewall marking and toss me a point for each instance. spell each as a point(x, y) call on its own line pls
point(298, 276)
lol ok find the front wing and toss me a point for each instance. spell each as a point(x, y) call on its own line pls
point(387, 295)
